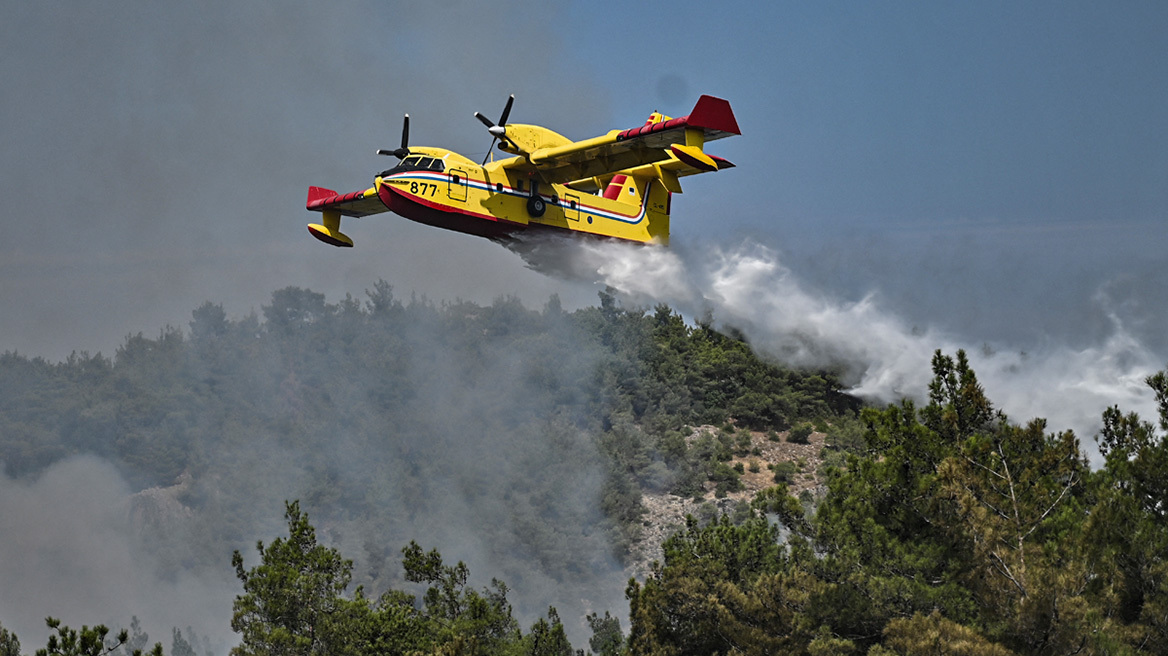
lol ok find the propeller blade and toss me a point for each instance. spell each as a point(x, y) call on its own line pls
point(404, 151)
point(499, 130)
point(507, 110)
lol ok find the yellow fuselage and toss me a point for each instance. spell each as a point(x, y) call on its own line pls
point(442, 188)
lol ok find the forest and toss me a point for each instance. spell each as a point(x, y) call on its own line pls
point(518, 444)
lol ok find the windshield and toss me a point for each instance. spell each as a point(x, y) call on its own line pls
point(417, 163)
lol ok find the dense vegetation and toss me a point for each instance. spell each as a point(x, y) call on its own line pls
point(946, 529)
point(954, 531)
point(381, 393)
point(517, 440)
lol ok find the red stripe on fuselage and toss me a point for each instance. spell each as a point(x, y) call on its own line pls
point(634, 216)
point(444, 216)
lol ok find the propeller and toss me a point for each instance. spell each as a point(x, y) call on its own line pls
point(404, 151)
point(497, 130)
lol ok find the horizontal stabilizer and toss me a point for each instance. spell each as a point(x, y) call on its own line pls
point(668, 179)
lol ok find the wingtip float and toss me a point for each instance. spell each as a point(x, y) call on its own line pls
point(618, 185)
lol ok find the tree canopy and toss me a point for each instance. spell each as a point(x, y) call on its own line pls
point(954, 531)
point(940, 528)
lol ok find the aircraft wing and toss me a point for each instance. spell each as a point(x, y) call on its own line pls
point(667, 171)
point(357, 203)
point(625, 149)
point(332, 206)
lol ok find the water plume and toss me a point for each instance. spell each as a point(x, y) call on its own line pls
point(881, 357)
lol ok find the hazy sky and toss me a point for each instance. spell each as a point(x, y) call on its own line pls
point(996, 169)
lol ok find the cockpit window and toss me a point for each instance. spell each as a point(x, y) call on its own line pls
point(416, 163)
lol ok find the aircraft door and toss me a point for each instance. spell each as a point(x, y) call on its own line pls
point(571, 204)
point(456, 184)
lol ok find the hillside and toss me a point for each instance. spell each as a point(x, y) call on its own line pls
point(523, 442)
point(559, 451)
point(769, 458)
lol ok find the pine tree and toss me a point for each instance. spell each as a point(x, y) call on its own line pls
point(66, 641)
point(9, 643)
point(293, 600)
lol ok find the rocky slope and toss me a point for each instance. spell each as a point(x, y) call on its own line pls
point(666, 513)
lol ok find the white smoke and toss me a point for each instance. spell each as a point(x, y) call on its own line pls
point(68, 548)
point(883, 358)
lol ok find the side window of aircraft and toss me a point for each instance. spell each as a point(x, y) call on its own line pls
point(437, 165)
point(425, 163)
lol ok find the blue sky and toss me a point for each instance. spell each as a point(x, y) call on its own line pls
point(999, 170)
point(973, 158)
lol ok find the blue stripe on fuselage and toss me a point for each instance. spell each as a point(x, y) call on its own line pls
point(435, 177)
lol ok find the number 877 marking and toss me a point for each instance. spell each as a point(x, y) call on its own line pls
point(423, 188)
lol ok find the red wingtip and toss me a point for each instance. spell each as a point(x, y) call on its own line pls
point(319, 193)
point(714, 114)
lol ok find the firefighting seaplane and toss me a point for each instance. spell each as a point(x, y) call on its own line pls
point(618, 185)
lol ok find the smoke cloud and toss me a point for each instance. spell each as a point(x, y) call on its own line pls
point(156, 157)
point(467, 472)
point(460, 427)
point(70, 550)
point(747, 288)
